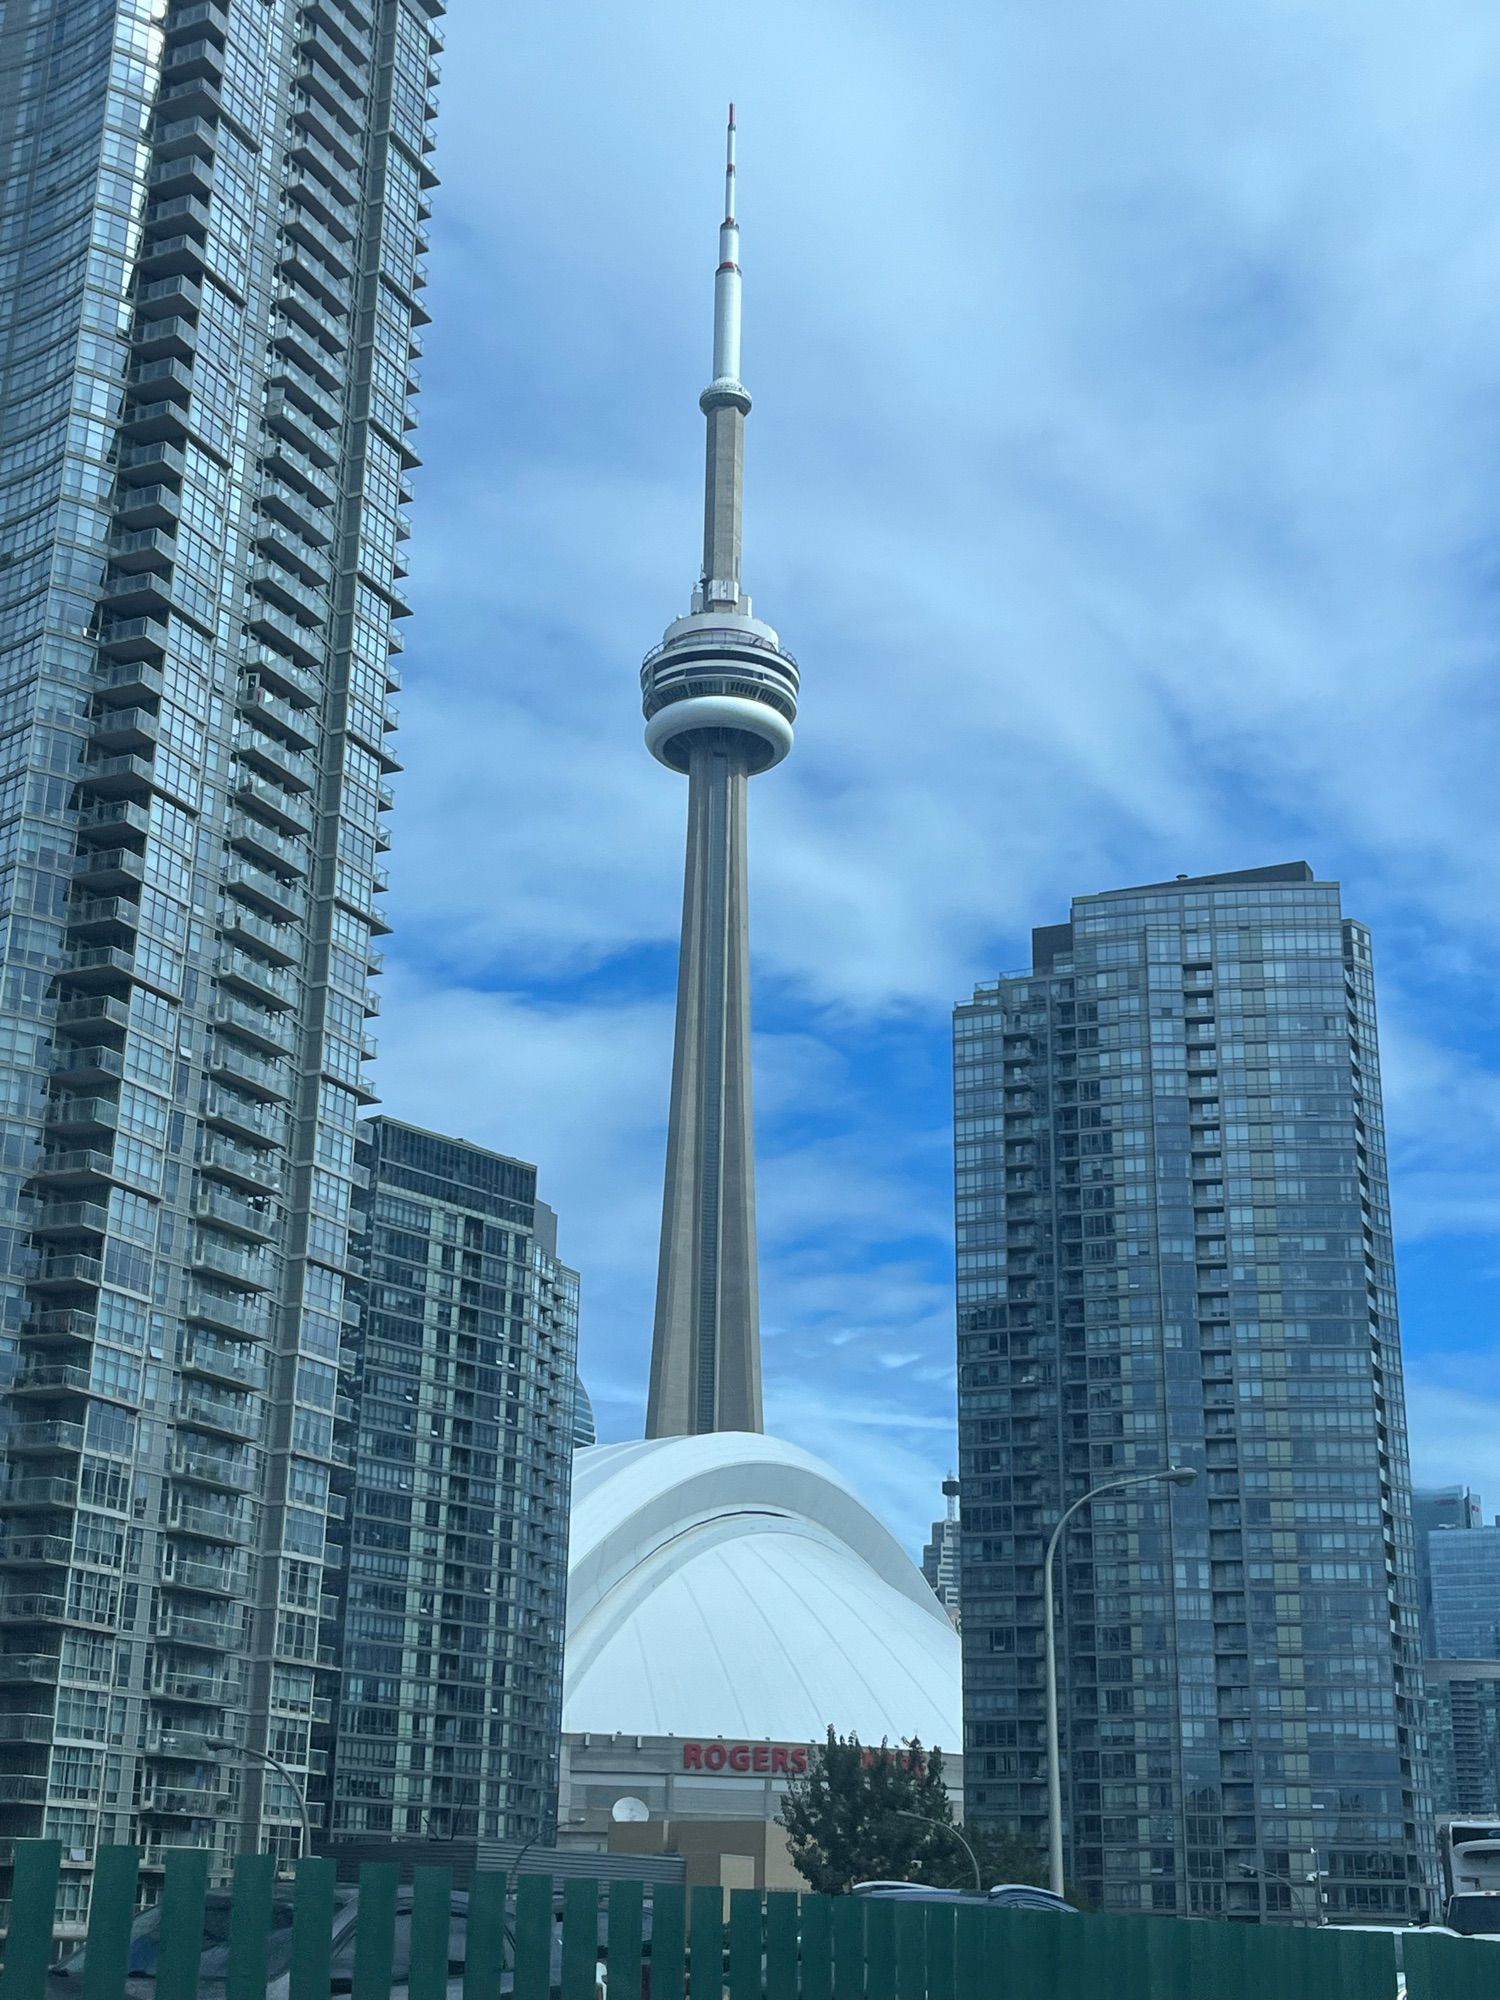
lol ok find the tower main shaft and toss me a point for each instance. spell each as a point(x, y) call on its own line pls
point(720, 698)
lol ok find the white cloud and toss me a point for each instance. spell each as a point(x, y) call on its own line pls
point(1122, 474)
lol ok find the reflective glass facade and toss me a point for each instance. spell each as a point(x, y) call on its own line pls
point(1459, 1564)
point(1175, 1247)
point(465, 1389)
point(210, 275)
point(1464, 1566)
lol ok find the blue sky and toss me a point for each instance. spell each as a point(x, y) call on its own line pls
point(1123, 473)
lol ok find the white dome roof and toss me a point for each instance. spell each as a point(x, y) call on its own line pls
point(731, 1585)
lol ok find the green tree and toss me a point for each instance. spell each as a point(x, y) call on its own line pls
point(845, 1821)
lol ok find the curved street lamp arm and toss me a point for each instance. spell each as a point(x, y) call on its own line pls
point(944, 1826)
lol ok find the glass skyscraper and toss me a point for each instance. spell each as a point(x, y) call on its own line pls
point(465, 1389)
point(1175, 1247)
point(210, 278)
point(1458, 1561)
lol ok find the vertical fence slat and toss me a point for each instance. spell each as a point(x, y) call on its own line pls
point(746, 1944)
point(111, 1915)
point(705, 1940)
point(786, 1917)
point(580, 1939)
point(848, 1948)
point(668, 1941)
point(431, 1910)
point(911, 1951)
point(1169, 1958)
point(250, 1925)
point(181, 1938)
point(28, 1947)
point(968, 1952)
point(626, 1904)
point(880, 1948)
point(1442, 1968)
point(312, 1929)
point(375, 1930)
point(1360, 1962)
point(533, 1937)
point(484, 1936)
point(942, 1946)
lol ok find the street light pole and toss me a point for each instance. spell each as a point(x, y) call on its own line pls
point(1176, 1475)
point(945, 1827)
point(275, 1763)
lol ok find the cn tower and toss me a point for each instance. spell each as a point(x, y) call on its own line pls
point(720, 698)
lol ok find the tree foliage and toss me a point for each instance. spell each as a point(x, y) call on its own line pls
point(844, 1822)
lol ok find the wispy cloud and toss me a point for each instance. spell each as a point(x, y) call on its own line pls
point(1122, 472)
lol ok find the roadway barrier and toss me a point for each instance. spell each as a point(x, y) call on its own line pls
point(317, 1939)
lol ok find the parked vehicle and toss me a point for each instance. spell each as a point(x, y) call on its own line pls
point(1470, 1852)
point(65, 1982)
point(1004, 1896)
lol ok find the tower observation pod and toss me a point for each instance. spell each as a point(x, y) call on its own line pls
point(720, 698)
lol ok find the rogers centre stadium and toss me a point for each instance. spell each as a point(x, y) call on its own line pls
point(728, 1600)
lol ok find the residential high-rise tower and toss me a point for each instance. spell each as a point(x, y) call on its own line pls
point(1175, 1248)
point(213, 228)
point(720, 698)
point(465, 1388)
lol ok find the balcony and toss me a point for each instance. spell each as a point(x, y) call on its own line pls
point(270, 711)
point(50, 1378)
point(168, 297)
point(281, 943)
point(111, 919)
point(118, 777)
point(147, 506)
point(163, 380)
point(237, 1114)
point(259, 1173)
point(230, 1522)
point(207, 1412)
point(291, 814)
point(264, 1078)
point(267, 892)
point(295, 510)
point(269, 1031)
point(245, 1218)
point(105, 868)
point(184, 1802)
point(266, 983)
point(220, 1635)
point(82, 1117)
point(289, 420)
point(307, 245)
point(294, 554)
point(47, 1436)
point(134, 639)
point(275, 759)
point(42, 1495)
point(312, 116)
point(209, 1468)
point(294, 468)
point(252, 1270)
point(71, 1218)
point(133, 549)
point(212, 1690)
point(302, 309)
point(178, 256)
point(62, 1327)
point(38, 1727)
point(326, 202)
point(231, 1313)
point(221, 1361)
point(282, 677)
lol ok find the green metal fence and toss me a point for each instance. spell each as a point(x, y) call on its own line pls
point(318, 1938)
